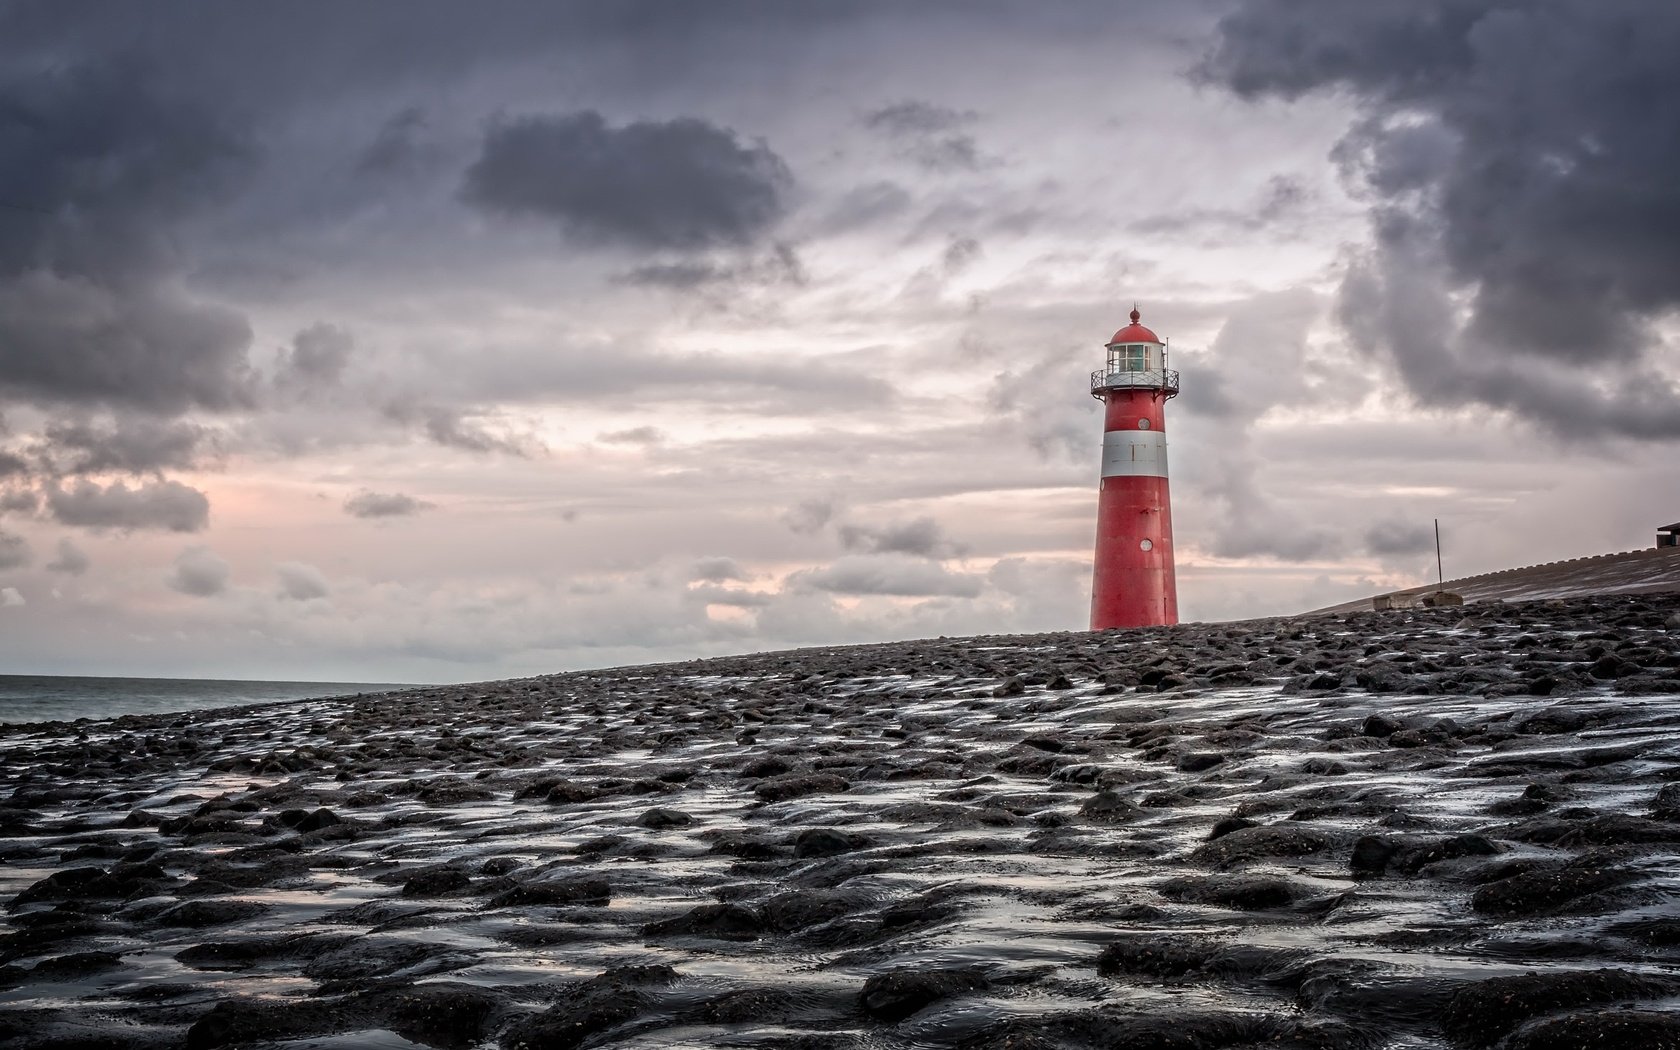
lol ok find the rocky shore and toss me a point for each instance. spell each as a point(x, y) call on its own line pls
point(1428, 829)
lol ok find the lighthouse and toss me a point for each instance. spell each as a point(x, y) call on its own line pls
point(1132, 584)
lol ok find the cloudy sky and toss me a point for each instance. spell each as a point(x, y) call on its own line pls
point(429, 341)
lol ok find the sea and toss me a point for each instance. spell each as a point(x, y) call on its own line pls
point(46, 698)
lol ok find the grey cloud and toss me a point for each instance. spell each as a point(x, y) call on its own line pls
point(1520, 162)
point(67, 339)
point(300, 582)
point(163, 505)
point(681, 183)
point(893, 575)
point(717, 570)
point(14, 551)
point(19, 501)
point(809, 516)
point(100, 163)
point(1399, 537)
point(127, 445)
point(1283, 198)
point(316, 359)
point(399, 145)
point(448, 426)
point(198, 572)
point(367, 504)
point(71, 559)
point(928, 134)
point(710, 595)
point(12, 464)
point(922, 537)
point(780, 266)
point(633, 436)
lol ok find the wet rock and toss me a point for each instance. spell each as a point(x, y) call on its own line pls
point(1267, 840)
point(723, 922)
point(1482, 1013)
point(744, 1006)
point(1109, 807)
point(1196, 762)
point(316, 821)
point(825, 842)
point(1243, 892)
point(589, 1009)
point(237, 1022)
point(898, 994)
point(78, 964)
point(1549, 889)
point(1225, 825)
point(797, 785)
point(442, 1014)
point(1595, 1029)
point(659, 818)
point(1011, 686)
point(439, 883)
point(554, 893)
point(202, 913)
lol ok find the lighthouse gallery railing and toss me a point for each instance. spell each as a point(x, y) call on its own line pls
point(1164, 380)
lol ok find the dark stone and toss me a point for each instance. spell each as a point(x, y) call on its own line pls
point(551, 894)
point(825, 842)
point(768, 766)
point(1267, 840)
point(1371, 855)
point(1196, 762)
point(1225, 825)
point(664, 818)
point(1548, 890)
point(1108, 806)
point(798, 785)
point(1011, 686)
point(443, 1014)
point(588, 1009)
point(723, 922)
point(1482, 1013)
point(1243, 892)
point(436, 883)
point(1622, 1029)
point(321, 818)
point(199, 914)
point(899, 994)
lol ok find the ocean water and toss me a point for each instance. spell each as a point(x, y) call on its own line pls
point(46, 698)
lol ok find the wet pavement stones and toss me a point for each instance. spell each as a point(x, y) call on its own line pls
point(1453, 829)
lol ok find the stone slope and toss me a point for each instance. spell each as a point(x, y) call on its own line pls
point(1422, 829)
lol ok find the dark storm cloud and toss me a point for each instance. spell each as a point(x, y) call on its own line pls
point(162, 505)
point(19, 501)
point(933, 136)
point(97, 164)
point(368, 504)
point(1520, 157)
point(677, 184)
point(139, 445)
point(315, 361)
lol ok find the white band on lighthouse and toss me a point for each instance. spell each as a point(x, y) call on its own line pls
point(1134, 453)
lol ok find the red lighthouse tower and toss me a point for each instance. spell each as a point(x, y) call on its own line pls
point(1133, 583)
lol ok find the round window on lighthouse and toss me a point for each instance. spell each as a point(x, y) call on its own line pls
point(1143, 424)
point(1147, 545)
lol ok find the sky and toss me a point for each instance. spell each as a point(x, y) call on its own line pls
point(410, 340)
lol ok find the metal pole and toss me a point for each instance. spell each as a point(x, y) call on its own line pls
point(1440, 576)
